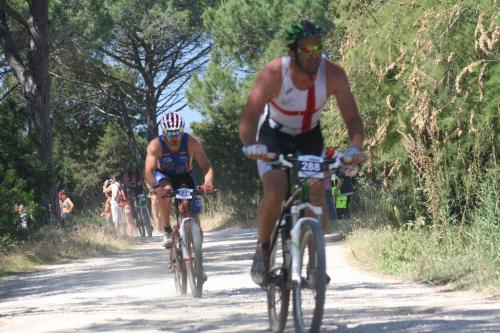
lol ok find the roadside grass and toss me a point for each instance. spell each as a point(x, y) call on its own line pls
point(88, 236)
point(224, 210)
point(85, 238)
point(460, 256)
point(438, 257)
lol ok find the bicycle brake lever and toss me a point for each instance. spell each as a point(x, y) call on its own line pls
point(284, 161)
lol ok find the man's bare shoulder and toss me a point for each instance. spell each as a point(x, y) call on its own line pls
point(193, 139)
point(154, 147)
point(273, 69)
point(270, 76)
point(334, 70)
point(336, 78)
point(194, 143)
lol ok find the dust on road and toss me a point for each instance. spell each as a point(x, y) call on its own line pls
point(132, 291)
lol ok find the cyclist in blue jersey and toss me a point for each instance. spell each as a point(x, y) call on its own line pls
point(169, 164)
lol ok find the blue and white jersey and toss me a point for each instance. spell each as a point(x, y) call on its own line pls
point(179, 163)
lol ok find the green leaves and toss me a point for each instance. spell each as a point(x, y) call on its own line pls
point(426, 92)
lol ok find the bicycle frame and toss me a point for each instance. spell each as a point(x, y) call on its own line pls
point(301, 265)
point(187, 246)
point(296, 223)
point(295, 210)
point(183, 196)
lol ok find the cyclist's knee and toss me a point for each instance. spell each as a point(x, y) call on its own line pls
point(317, 188)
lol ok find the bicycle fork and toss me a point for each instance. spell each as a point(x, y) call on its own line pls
point(294, 245)
point(184, 247)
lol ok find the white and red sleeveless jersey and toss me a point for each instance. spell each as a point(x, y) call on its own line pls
point(296, 111)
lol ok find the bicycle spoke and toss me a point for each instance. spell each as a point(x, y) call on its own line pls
point(309, 295)
point(278, 294)
point(194, 261)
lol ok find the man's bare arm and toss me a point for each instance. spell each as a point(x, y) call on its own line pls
point(195, 147)
point(70, 205)
point(153, 152)
point(107, 189)
point(267, 83)
point(338, 85)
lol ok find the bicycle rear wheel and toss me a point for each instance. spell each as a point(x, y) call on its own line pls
point(194, 260)
point(147, 229)
point(309, 295)
point(139, 222)
point(180, 275)
point(278, 295)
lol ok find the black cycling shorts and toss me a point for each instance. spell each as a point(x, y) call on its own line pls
point(177, 181)
point(310, 143)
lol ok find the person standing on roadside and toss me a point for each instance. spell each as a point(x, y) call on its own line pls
point(66, 206)
point(117, 213)
point(128, 205)
point(106, 213)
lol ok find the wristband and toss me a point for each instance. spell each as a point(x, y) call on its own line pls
point(352, 150)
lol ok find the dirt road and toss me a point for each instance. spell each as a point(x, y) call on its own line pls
point(132, 292)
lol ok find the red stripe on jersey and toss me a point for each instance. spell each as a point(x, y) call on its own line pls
point(311, 103)
point(307, 114)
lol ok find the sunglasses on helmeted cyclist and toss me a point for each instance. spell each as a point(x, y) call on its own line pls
point(310, 49)
point(171, 134)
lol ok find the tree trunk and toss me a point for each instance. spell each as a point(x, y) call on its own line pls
point(37, 91)
point(151, 110)
point(130, 135)
point(33, 76)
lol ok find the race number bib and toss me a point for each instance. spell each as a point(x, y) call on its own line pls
point(310, 166)
point(184, 193)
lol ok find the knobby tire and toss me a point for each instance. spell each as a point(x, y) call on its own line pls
point(278, 294)
point(309, 295)
point(180, 275)
point(194, 260)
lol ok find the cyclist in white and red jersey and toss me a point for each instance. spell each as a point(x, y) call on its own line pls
point(282, 115)
point(169, 165)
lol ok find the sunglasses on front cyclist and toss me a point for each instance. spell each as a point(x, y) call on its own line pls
point(172, 134)
point(311, 49)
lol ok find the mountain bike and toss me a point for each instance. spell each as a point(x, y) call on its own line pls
point(186, 258)
point(143, 216)
point(297, 249)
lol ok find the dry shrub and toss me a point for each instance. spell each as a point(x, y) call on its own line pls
point(388, 101)
point(392, 65)
point(424, 163)
point(486, 39)
point(380, 134)
point(467, 69)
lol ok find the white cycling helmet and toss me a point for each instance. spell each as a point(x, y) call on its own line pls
point(172, 121)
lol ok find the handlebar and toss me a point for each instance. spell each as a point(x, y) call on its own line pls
point(316, 165)
point(198, 190)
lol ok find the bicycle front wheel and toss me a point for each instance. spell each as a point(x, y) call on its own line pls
point(309, 295)
point(278, 293)
point(194, 260)
point(180, 275)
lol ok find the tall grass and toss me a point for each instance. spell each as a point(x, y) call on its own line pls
point(85, 237)
point(466, 255)
point(224, 210)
